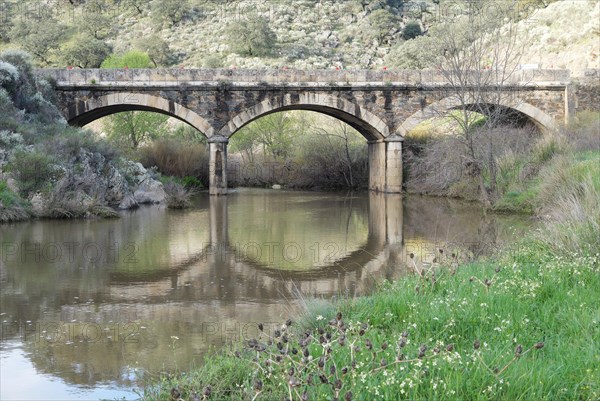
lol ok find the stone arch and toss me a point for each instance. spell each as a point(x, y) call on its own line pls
point(82, 112)
point(542, 121)
point(368, 124)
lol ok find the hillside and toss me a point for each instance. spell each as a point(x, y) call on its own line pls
point(283, 33)
point(566, 34)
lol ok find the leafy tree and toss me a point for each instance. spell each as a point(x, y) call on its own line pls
point(381, 24)
point(96, 23)
point(40, 38)
point(131, 59)
point(412, 30)
point(273, 133)
point(251, 38)
point(157, 50)
point(133, 128)
point(85, 52)
point(169, 12)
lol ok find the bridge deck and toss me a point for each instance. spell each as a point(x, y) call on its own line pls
point(286, 78)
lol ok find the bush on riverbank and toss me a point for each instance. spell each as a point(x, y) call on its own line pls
point(526, 172)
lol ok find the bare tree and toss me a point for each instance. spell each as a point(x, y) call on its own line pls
point(479, 59)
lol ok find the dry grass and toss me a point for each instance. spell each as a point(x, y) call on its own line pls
point(176, 158)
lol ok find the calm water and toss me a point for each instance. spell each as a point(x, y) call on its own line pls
point(88, 307)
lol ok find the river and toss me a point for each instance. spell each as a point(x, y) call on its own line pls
point(89, 307)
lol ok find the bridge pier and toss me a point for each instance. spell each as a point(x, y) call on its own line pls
point(217, 166)
point(385, 165)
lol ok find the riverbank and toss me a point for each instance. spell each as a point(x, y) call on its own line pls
point(523, 324)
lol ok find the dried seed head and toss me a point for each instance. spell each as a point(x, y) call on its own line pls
point(471, 279)
point(321, 362)
point(412, 255)
point(453, 255)
point(291, 371)
point(384, 346)
point(332, 369)
point(304, 396)
point(383, 362)
point(497, 270)
point(369, 344)
point(295, 351)
point(337, 384)
point(258, 385)
point(421, 354)
point(539, 345)
point(450, 347)
point(207, 391)
point(518, 350)
point(348, 396)
point(402, 343)
point(405, 334)
point(306, 353)
point(401, 357)
point(476, 344)
point(175, 393)
point(288, 322)
point(441, 250)
point(293, 382)
point(339, 316)
point(344, 370)
point(323, 378)
point(361, 332)
point(487, 282)
point(277, 333)
point(436, 350)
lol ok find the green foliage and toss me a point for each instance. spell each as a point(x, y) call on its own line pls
point(251, 37)
point(412, 30)
point(40, 38)
point(157, 49)
point(133, 128)
point(33, 170)
point(12, 207)
point(85, 52)
point(381, 24)
point(96, 22)
point(169, 12)
point(131, 59)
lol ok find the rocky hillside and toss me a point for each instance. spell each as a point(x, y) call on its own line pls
point(566, 34)
point(293, 33)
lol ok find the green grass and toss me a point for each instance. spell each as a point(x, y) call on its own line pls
point(559, 176)
point(535, 296)
point(12, 207)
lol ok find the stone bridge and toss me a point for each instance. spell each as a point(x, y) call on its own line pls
point(382, 105)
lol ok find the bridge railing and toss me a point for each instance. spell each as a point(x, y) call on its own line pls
point(279, 76)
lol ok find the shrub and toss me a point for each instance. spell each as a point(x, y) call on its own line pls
point(131, 59)
point(178, 197)
point(412, 30)
point(12, 207)
point(33, 170)
point(177, 158)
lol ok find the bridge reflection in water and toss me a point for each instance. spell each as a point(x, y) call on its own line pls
point(207, 276)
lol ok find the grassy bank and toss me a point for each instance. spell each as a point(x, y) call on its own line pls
point(523, 325)
point(528, 296)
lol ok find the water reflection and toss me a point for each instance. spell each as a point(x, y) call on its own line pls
point(96, 302)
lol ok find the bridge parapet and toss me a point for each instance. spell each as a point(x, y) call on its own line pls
point(177, 76)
